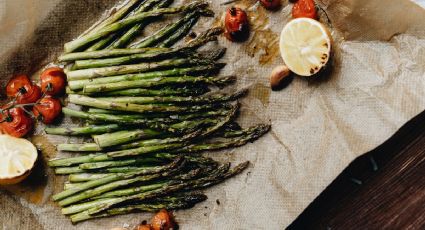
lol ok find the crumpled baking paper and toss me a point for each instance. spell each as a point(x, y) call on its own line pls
point(319, 125)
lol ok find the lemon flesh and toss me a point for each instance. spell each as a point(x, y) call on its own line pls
point(305, 46)
point(17, 158)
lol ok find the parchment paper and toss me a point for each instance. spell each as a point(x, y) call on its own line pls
point(319, 125)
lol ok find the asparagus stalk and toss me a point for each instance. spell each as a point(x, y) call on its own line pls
point(91, 147)
point(133, 32)
point(87, 194)
point(144, 150)
point(134, 194)
point(76, 208)
point(165, 91)
point(132, 20)
point(137, 193)
point(251, 134)
point(135, 68)
point(122, 137)
point(78, 160)
point(221, 123)
point(134, 58)
point(106, 180)
point(68, 170)
point(87, 130)
point(99, 115)
point(205, 37)
point(202, 69)
point(120, 163)
point(69, 185)
point(179, 203)
point(215, 178)
point(156, 142)
point(159, 81)
point(88, 147)
point(123, 169)
point(101, 44)
point(171, 40)
point(105, 53)
point(145, 120)
point(84, 177)
point(101, 104)
point(165, 32)
point(105, 111)
point(142, 8)
point(213, 98)
point(119, 14)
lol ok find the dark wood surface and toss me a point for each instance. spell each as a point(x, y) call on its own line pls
point(389, 196)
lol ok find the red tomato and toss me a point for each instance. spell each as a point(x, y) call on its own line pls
point(236, 24)
point(31, 95)
point(48, 109)
point(16, 122)
point(271, 4)
point(17, 84)
point(162, 221)
point(53, 81)
point(304, 9)
point(144, 227)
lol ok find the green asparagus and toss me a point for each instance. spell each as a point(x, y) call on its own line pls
point(101, 104)
point(213, 98)
point(134, 58)
point(122, 137)
point(198, 183)
point(135, 68)
point(105, 53)
point(195, 70)
point(171, 40)
point(165, 32)
point(168, 204)
point(87, 130)
point(147, 5)
point(159, 81)
point(106, 180)
point(132, 20)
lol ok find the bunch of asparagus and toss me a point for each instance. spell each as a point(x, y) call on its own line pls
point(150, 111)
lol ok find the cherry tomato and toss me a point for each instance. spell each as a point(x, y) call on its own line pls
point(16, 122)
point(48, 109)
point(19, 83)
point(236, 24)
point(304, 9)
point(144, 227)
point(30, 95)
point(271, 4)
point(53, 81)
point(162, 221)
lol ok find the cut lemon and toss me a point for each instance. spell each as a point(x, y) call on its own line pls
point(17, 158)
point(305, 46)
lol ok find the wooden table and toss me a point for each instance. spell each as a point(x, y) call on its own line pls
point(387, 195)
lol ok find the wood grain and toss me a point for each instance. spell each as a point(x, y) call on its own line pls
point(391, 197)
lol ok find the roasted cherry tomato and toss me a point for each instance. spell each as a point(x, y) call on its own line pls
point(162, 221)
point(304, 9)
point(19, 83)
point(53, 81)
point(144, 227)
point(236, 24)
point(48, 109)
point(16, 122)
point(30, 95)
point(271, 4)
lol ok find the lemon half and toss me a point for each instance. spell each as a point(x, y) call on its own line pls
point(17, 158)
point(305, 46)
